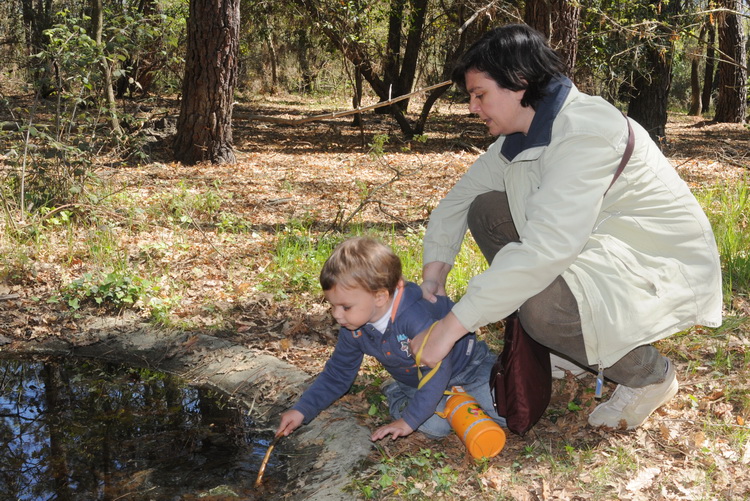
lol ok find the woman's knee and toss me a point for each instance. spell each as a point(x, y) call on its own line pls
point(490, 222)
point(487, 210)
point(552, 319)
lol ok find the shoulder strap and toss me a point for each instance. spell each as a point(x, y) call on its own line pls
point(625, 155)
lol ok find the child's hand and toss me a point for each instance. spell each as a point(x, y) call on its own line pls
point(290, 421)
point(396, 429)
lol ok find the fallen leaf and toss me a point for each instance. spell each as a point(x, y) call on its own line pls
point(643, 480)
point(698, 439)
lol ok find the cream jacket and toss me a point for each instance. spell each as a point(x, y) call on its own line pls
point(641, 261)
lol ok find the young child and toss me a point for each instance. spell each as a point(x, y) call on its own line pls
point(379, 313)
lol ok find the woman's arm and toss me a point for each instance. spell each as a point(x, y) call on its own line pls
point(434, 277)
point(443, 336)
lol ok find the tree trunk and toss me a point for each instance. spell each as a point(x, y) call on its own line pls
point(650, 93)
point(695, 87)
point(695, 80)
point(708, 73)
point(392, 59)
point(303, 46)
point(97, 15)
point(565, 20)
point(648, 105)
point(413, 47)
point(537, 14)
point(731, 103)
point(357, 98)
point(204, 128)
point(274, 62)
point(558, 21)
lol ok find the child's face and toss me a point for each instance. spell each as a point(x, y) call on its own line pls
point(353, 307)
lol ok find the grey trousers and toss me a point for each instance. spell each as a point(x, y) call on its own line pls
point(551, 317)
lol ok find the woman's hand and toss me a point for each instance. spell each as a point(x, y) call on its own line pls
point(434, 275)
point(443, 336)
point(290, 421)
point(396, 429)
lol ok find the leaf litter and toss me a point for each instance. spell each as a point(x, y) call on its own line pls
point(696, 447)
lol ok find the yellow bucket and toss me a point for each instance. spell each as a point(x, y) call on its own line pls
point(482, 436)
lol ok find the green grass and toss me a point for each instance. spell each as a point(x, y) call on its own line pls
point(727, 206)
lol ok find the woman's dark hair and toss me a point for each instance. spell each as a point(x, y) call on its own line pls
point(515, 56)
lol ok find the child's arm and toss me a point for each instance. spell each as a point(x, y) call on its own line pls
point(290, 421)
point(337, 377)
point(396, 429)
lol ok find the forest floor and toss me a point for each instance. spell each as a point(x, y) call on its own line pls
point(696, 447)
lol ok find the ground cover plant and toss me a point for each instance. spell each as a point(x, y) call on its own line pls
point(234, 251)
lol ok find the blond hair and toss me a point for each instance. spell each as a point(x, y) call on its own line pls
point(362, 262)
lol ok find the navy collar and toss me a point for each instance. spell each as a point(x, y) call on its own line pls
point(540, 131)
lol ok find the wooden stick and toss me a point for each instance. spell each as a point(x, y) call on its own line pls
point(338, 114)
point(262, 469)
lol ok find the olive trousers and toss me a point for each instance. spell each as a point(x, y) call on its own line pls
point(551, 317)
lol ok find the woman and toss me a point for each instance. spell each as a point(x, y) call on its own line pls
point(597, 274)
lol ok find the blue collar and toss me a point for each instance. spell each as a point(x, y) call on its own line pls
point(540, 131)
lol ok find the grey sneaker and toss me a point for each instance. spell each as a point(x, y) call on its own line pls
point(561, 365)
point(629, 408)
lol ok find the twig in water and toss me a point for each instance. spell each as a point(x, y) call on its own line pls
point(262, 469)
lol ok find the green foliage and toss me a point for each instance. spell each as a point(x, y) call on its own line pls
point(297, 260)
point(189, 204)
point(115, 290)
point(377, 147)
point(728, 208)
point(409, 476)
point(615, 40)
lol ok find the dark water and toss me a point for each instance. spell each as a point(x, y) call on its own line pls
point(78, 430)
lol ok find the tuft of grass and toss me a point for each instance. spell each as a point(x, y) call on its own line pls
point(408, 476)
point(728, 209)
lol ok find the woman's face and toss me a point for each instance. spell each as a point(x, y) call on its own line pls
point(500, 108)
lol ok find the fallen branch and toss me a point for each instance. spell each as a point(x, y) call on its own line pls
point(339, 114)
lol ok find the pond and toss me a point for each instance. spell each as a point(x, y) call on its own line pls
point(78, 429)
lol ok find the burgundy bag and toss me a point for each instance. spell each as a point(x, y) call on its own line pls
point(521, 379)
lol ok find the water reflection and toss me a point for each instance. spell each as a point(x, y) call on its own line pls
point(82, 430)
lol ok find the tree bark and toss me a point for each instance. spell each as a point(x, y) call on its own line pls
point(204, 128)
point(557, 20)
point(650, 93)
point(708, 73)
point(695, 87)
point(731, 103)
point(412, 49)
point(695, 80)
point(303, 46)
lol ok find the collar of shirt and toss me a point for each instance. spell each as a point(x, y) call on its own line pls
point(540, 131)
point(381, 324)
